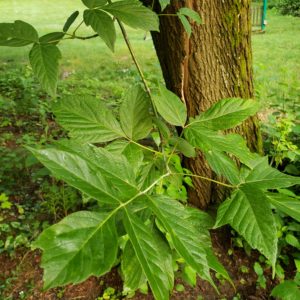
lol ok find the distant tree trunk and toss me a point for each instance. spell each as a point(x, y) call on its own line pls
point(214, 63)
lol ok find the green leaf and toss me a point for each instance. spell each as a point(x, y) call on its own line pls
point(191, 14)
point(134, 14)
point(292, 240)
point(81, 245)
point(117, 146)
point(186, 24)
point(287, 290)
point(146, 251)
point(51, 38)
point(249, 213)
point(208, 140)
point(44, 59)
point(170, 107)
point(115, 168)
point(189, 275)
point(132, 271)
point(135, 115)
point(78, 173)
point(134, 155)
point(188, 242)
point(264, 177)
point(223, 165)
point(202, 221)
point(94, 3)
point(162, 127)
point(286, 204)
point(87, 119)
point(227, 113)
point(164, 4)
point(70, 21)
point(17, 34)
point(183, 146)
point(103, 24)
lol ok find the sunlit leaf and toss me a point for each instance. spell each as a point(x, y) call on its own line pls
point(81, 245)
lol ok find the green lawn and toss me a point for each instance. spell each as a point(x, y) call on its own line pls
point(91, 68)
point(277, 60)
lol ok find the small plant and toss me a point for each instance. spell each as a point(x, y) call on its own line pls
point(261, 279)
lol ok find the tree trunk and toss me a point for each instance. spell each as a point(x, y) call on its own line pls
point(213, 64)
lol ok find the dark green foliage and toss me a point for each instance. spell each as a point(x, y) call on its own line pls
point(289, 7)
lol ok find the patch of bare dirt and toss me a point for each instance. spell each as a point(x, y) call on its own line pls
point(26, 278)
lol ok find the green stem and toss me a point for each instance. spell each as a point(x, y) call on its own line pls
point(167, 15)
point(174, 148)
point(74, 32)
point(133, 56)
point(207, 179)
point(145, 148)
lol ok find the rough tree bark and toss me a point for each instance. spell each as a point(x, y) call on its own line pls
point(214, 63)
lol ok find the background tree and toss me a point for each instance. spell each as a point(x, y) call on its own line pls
point(214, 63)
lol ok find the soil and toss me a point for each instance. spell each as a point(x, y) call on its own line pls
point(25, 276)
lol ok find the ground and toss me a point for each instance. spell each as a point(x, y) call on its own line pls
point(89, 68)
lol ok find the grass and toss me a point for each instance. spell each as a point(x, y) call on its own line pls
point(90, 67)
point(277, 60)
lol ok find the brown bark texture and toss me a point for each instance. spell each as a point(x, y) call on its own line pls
point(214, 63)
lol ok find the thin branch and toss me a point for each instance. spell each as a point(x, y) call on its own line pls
point(207, 179)
point(86, 37)
point(144, 147)
point(74, 32)
point(167, 15)
point(125, 36)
